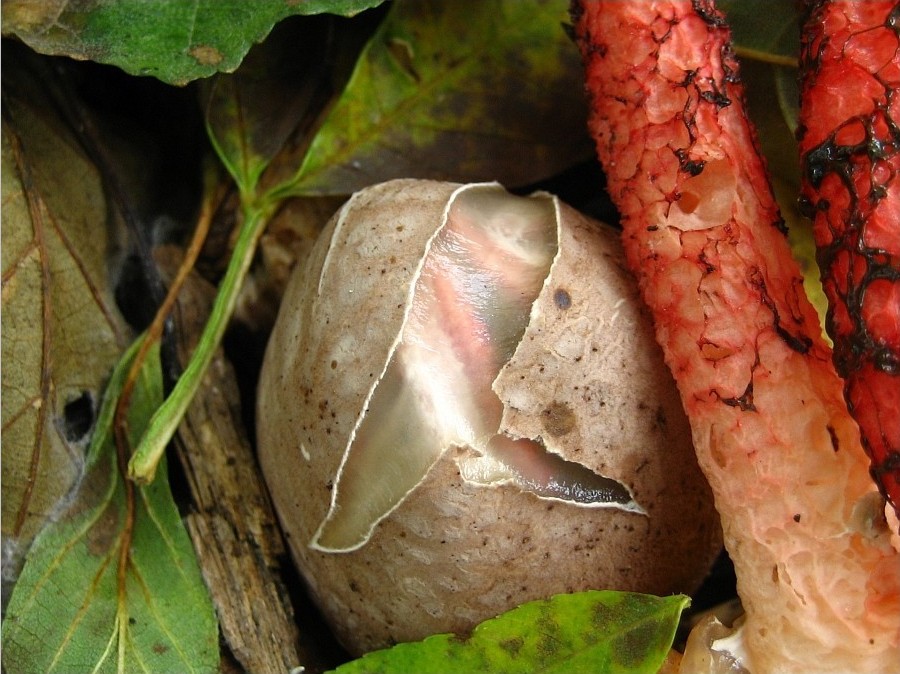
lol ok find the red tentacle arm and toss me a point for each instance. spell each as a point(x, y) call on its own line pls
point(817, 574)
point(850, 153)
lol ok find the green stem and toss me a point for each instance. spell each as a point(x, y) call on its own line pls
point(766, 57)
point(168, 416)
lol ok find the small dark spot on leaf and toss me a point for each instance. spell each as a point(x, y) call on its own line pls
point(159, 649)
point(104, 533)
point(636, 643)
point(549, 642)
point(512, 646)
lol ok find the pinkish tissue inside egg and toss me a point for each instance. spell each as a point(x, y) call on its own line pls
point(470, 306)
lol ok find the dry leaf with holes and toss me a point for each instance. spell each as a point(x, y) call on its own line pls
point(62, 333)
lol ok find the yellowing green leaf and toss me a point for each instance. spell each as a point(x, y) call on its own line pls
point(175, 41)
point(597, 631)
point(112, 585)
point(62, 333)
point(464, 91)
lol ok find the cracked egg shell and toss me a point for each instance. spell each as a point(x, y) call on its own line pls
point(398, 538)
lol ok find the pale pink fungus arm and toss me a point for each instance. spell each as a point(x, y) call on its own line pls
point(818, 577)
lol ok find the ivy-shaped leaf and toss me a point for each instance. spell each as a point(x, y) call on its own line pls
point(113, 585)
point(595, 631)
point(463, 91)
point(175, 41)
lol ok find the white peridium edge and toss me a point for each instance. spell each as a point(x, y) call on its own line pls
point(632, 505)
point(333, 507)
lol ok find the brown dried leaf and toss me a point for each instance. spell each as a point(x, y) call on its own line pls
point(62, 333)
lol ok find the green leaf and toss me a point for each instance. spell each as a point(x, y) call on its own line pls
point(764, 30)
point(803, 247)
point(463, 91)
point(175, 41)
point(596, 631)
point(788, 88)
point(102, 591)
point(279, 90)
point(769, 32)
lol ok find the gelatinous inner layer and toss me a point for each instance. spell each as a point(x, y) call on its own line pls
point(470, 308)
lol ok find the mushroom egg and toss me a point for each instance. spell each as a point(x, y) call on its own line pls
point(463, 408)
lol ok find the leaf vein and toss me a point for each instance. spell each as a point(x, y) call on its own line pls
point(35, 209)
point(19, 261)
point(86, 276)
point(152, 607)
point(82, 609)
